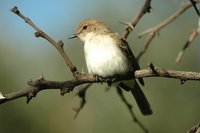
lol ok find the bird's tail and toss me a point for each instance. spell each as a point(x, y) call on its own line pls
point(140, 98)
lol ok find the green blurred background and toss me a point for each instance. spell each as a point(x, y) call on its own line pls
point(23, 57)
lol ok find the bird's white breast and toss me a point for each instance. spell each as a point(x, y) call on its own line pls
point(104, 58)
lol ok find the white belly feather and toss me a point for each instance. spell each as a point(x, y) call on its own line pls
point(104, 58)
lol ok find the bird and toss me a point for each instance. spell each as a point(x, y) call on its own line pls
point(107, 54)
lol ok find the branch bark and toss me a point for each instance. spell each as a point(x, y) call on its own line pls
point(39, 33)
point(195, 129)
point(156, 29)
point(130, 26)
point(67, 86)
point(192, 35)
point(168, 20)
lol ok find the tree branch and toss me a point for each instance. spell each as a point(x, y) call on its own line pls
point(192, 35)
point(39, 33)
point(34, 87)
point(147, 44)
point(195, 129)
point(129, 106)
point(130, 26)
point(168, 20)
point(156, 29)
point(67, 86)
point(194, 2)
point(81, 93)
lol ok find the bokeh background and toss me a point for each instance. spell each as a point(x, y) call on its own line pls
point(23, 57)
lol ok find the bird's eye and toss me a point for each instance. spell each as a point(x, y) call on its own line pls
point(85, 27)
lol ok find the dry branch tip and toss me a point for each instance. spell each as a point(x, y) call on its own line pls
point(15, 10)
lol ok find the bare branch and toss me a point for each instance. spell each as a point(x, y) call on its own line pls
point(67, 86)
point(129, 106)
point(192, 36)
point(130, 26)
point(195, 129)
point(156, 29)
point(146, 46)
point(195, 7)
point(168, 20)
point(39, 33)
point(81, 93)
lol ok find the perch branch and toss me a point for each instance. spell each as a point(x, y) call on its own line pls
point(39, 33)
point(130, 26)
point(67, 86)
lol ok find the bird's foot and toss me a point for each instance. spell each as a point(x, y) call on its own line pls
point(112, 79)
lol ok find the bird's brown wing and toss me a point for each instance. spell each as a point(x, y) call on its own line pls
point(123, 45)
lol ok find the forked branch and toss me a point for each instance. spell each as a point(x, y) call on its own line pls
point(156, 29)
point(130, 26)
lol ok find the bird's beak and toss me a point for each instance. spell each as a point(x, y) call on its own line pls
point(73, 36)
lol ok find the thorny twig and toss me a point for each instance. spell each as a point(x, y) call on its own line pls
point(67, 86)
point(39, 33)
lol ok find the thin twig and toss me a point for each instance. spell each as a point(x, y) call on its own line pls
point(194, 3)
point(39, 33)
point(192, 36)
point(156, 29)
point(67, 86)
point(130, 26)
point(81, 93)
point(168, 20)
point(147, 44)
point(129, 106)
